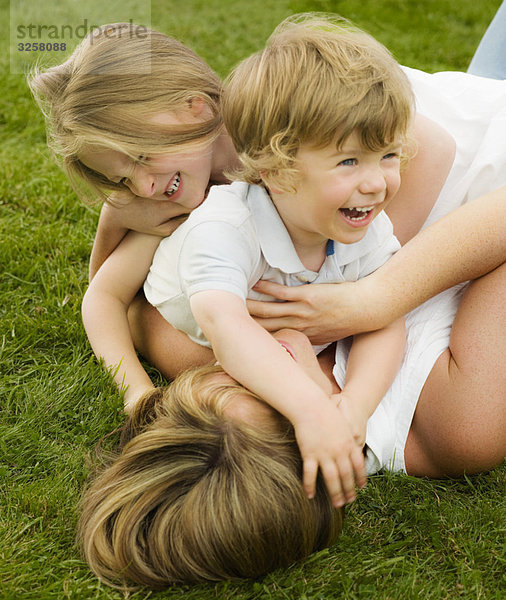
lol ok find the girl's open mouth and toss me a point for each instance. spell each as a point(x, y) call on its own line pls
point(173, 185)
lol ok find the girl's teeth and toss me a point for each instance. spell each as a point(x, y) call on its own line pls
point(175, 185)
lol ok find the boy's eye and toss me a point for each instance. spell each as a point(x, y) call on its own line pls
point(122, 181)
point(348, 162)
point(390, 155)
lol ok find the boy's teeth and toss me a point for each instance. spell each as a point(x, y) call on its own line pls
point(175, 185)
point(358, 213)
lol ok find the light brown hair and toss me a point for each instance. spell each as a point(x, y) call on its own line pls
point(107, 93)
point(318, 80)
point(198, 496)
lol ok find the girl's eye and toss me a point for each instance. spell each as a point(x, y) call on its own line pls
point(122, 181)
point(348, 162)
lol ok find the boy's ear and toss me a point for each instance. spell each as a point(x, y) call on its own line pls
point(270, 182)
point(196, 106)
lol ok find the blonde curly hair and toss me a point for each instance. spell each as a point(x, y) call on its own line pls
point(318, 80)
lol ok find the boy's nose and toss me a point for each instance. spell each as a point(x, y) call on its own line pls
point(373, 181)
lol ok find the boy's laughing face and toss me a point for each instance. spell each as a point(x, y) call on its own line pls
point(339, 192)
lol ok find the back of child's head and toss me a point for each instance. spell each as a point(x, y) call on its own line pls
point(317, 81)
point(199, 496)
point(108, 91)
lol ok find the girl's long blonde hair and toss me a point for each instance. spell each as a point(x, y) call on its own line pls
point(108, 91)
point(198, 496)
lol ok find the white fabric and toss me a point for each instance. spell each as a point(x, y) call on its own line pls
point(428, 333)
point(236, 238)
point(473, 110)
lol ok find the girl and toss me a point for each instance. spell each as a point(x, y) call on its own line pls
point(122, 90)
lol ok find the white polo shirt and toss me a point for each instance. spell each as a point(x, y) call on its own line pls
point(237, 237)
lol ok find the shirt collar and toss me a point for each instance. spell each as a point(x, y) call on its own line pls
point(275, 241)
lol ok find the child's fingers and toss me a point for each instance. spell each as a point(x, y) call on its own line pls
point(358, 462)
point(309, 473)
point(346, 474)
point(334, 482)
point(342, 476)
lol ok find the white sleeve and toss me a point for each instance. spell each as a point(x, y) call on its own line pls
point(216, 255)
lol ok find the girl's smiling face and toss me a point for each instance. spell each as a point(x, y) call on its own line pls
point(181, 178)
point(178, 177)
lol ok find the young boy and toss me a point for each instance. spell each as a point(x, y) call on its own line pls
point(319, 121)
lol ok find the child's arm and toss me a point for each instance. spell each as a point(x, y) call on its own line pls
point(372, 365)
point(252, 356)
point(130, 212)
point(107, 237)
point(104, 312)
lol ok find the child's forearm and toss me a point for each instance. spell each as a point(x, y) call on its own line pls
point(252, 356)
point(107, 237)
point(373, 363)
point(144, 215)
point(106, 324)
point(104, 311)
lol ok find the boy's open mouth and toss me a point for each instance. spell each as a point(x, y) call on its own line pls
point(174, 184)
point(358, 213)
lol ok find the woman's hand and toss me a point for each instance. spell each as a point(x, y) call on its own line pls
point(324, 312)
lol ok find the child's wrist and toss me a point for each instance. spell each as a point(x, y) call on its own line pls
point(353, 411)
point(134, 394)
point(302, 412)
point(360, 401)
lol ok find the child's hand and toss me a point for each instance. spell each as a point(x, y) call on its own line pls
point(145, 215)
point(133, 395)
point(326, 442)
point(355, 415)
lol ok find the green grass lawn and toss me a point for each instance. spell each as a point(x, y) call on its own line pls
point(403, 537)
